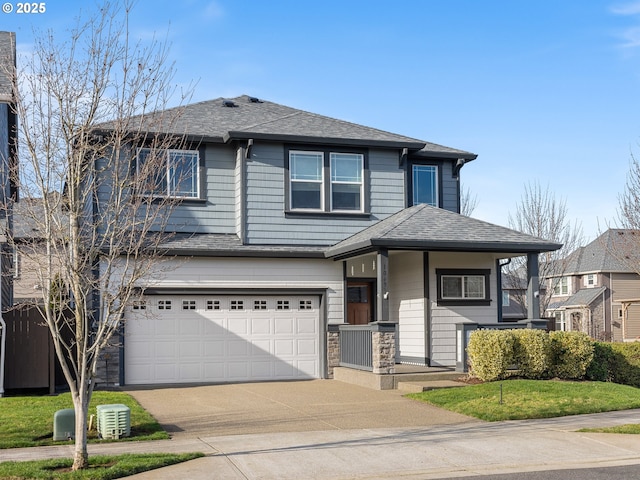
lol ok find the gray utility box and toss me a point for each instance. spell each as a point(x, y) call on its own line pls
point(114, 421)
point(64, 424)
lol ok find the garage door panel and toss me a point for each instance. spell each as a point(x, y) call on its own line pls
point(261, 348)
point(190, 326)
point(284, 326)
point(223, 339)
point(190, 372)
point(260, 326)
point(238, 326)
point(283, 348)
point(190, 349)
point(213, 349)
point(238, 348)
point(306, 347)
point(306, 325)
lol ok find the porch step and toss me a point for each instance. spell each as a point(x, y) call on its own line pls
point(444, 377)
point(424, 386)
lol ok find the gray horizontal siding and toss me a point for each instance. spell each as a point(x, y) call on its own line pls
point(218, 213)
point(267, 222)
point(449, 188)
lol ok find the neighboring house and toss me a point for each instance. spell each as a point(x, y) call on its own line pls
point(8, 188)
point(595, 294)
point(295, 228)
point(514, 292)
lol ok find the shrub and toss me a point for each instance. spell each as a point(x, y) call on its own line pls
point(491, 353)
point(532, 352)
point(625, 365)
point(571, 354)
point(600, 368)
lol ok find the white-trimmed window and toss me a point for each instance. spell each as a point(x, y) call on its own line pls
point(171, 173)
point(590, 280)
point(562, 286)
point(424, 184)
point(324, 181)
point(561, 324)
point(463, 287)
point(16, 262)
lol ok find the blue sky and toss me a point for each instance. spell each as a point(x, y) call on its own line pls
point(542, 91)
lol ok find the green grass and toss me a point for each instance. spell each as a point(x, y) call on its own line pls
point(101, 467)
point(632, 429)
point(523, 399)
point(27, 421)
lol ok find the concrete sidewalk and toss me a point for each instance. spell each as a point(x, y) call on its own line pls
point(466, 449)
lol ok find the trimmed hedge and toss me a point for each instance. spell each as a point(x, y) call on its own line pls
point(491, 353)
point(616, 362)
point(571, 354)
point(534, 354)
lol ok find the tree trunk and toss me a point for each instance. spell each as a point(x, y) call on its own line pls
point(81, 455)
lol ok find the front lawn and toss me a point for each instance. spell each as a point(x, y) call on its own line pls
point(101, 467)
point(27, 421)
point(523, 399)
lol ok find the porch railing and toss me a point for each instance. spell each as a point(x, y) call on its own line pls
point(356, 347)
point(368, 347)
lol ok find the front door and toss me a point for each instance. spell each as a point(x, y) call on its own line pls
point(359, 306)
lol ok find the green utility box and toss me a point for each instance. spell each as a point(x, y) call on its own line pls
point(114, 421)
point(64, 424)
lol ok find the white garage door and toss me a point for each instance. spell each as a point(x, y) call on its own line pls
point(231, 338)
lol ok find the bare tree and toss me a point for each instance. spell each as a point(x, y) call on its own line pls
point(541, 214)
point(468, 201)
point(84, 106)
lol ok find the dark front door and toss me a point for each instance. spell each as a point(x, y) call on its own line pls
point(359, 306)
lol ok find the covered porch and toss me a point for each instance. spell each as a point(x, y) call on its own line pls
point(409, 279)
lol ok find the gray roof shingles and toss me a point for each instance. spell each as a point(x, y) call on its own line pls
point(582, 298)
point(599, 255)
point(213, 122)
point(430, 228)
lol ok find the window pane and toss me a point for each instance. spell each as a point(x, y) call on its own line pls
point(345, 196)
point(306, 166)
point(346, 167)
point(306, 195)
point(451, 286)
point(183, 174)
point(425, 185)
point(474, 287)
point(152, 171)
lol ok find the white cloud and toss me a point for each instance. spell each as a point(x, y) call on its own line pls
point(626, 9)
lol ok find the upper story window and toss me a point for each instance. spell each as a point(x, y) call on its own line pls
point(325, 181)
point(424, 184)
point(590, 280)
point(174, 172)
point(562, 286)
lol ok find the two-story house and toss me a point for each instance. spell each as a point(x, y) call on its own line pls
point(598, 293)
point(292, 225)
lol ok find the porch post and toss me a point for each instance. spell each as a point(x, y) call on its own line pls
point(382, 304)
point(533, 286)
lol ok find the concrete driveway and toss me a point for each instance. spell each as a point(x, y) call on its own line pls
point(274, 407)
